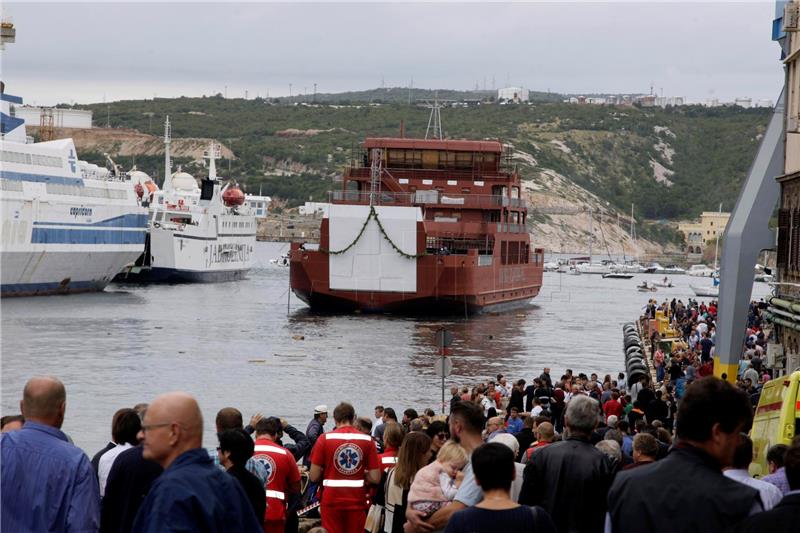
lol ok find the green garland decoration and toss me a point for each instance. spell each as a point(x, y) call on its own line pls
point(373, 214)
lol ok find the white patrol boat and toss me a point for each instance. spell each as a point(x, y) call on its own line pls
point(67, 226)
point(195, 233)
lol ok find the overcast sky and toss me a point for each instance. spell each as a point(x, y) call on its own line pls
point(88, 52)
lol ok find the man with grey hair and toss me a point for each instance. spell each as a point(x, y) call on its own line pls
point(47, 483)
point(571, 478)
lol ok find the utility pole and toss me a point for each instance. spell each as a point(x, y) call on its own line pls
point(315, 93)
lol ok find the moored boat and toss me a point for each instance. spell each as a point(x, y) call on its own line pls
point(617, 275)
point(67, 225)
point(196, 233)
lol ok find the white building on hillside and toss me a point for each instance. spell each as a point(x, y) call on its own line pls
point(62, 118)
point(513, 94)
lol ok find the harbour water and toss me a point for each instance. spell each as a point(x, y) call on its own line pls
point(235, 344)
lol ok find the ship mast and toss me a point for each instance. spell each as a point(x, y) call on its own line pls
point(167, 162)
point(212, 154)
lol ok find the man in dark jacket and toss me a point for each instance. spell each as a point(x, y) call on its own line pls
point(570, 478)
point(657, 409)
point(516, 399)
point(235, 449)
point(526, 437)
point(128, 484)
point(687, 491)
point(192, 494)
point(315, 428)
point(786, 515)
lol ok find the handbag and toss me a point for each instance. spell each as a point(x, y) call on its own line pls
point(375, 517)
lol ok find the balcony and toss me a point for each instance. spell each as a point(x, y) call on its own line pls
point(363, 173)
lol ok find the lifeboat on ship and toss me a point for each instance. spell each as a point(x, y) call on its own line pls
point(233, 196)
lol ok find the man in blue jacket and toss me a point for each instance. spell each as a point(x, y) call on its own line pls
point(192, 494)
point(48, 484)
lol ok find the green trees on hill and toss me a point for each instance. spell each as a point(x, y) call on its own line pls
point(292, 150)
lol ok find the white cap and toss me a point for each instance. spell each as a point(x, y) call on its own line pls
point(320, 409)
point(507, 439)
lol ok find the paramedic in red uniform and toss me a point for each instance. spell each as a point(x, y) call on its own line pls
point(344, 460)
point(283, 478)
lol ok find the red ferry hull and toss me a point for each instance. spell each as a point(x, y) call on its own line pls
point(446, 284)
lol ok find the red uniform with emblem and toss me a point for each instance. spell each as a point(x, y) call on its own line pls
point(282, 471)
point(345, 456)
point(388, 459)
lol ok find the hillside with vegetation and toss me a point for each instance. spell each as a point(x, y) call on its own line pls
point(670, 163)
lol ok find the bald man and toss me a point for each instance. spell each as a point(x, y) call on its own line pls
point(47, 483)
point(192, 494)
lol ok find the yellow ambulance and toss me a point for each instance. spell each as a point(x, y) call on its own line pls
point(776, 420)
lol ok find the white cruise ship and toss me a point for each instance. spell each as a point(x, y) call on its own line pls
point(67, 226)
point(196, 233)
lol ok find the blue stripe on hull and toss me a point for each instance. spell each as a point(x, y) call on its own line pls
point(41, 289)
point(86, 236)
point(171, 275)
point(128, 220)
point(40, 178)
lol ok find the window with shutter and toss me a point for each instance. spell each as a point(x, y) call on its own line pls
point(784, 218)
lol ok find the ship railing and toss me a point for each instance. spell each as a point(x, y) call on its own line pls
point(439, 174)
point(430, 197)
point(508, 227)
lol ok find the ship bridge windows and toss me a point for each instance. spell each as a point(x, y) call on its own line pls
point(398, 158)
point(440, 159)
point(21, 158)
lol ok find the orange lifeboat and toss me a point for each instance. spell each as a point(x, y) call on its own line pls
point(233, 196)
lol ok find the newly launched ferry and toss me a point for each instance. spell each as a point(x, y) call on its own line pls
point(67, 226)
point(422, 226)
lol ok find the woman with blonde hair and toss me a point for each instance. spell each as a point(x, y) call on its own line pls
point(414, 454)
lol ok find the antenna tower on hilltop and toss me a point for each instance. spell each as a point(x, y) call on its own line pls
point(435, 119)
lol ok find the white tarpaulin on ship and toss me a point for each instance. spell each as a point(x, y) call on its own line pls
point(372, 264)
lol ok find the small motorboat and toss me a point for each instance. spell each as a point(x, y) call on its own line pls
point(709, 292)
point(644, 287)
point(617, 275)
point(664, 283)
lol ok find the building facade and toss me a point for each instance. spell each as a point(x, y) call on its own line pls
point(513, 94)
point(62, 118)
point(788, 257)
point(699, 235)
